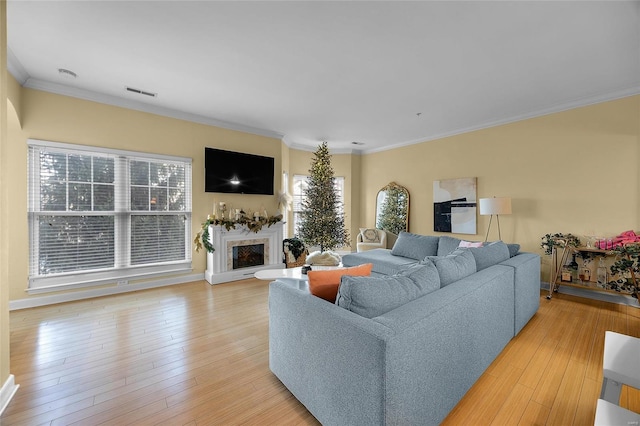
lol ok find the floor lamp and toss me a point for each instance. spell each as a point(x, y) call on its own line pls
point(495, 206)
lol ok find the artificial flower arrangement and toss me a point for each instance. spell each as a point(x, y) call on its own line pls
point(627, 265)
point(549, 241)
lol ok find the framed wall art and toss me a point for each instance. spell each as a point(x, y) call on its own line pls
point(454, 205)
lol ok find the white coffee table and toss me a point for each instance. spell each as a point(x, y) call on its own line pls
point(294, 275)
point(277, 274)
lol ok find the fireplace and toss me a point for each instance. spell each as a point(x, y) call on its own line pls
point(248, 256)
point(247, 252)
point(240, 252)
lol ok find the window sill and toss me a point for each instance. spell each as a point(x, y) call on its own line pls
point(40, 285)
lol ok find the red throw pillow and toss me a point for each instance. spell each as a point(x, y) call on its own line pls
point(325, 283)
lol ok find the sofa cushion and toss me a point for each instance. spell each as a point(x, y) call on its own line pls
point(325, 283)
point(454, 266)
point(513, 249)
point(373, 296)
point(447, 244)
point(370, 235)
point(383, 261)
point(415, 246)
point(490, 254)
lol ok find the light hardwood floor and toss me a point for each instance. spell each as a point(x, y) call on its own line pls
point(195, 354)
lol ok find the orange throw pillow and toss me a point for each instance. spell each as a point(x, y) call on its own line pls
point(325, 283)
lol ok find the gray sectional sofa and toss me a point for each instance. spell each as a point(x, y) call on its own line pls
point(403, 346)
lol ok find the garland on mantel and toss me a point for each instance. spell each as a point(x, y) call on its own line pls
point(202, 238)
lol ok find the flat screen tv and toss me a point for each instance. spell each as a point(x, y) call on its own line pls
point(237, 173)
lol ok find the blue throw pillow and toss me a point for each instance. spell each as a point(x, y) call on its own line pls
point(455, 266)
point(490, 254)
point(373, 296)
point(415, 246)
point(447, 244)
point(513, 248)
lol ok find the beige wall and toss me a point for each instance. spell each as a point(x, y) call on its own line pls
point(4, 241)
point(574, 171)
point(637, 108)
point(58, 118)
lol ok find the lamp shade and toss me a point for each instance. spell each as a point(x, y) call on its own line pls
point(495, 205)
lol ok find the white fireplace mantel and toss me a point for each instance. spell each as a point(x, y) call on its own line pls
point(219, 266)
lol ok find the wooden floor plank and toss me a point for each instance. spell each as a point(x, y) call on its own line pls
point(195, 354)
point(514, 406)
point(534, 415)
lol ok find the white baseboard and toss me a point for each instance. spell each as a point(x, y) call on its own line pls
point(7, 392)
point(33, 302)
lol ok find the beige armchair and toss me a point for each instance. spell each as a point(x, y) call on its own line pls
point(370, 238)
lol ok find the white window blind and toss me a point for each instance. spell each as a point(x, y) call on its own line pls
point(98, 215)
point(300, 186)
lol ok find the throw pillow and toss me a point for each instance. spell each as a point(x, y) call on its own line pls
point(470, 244)
point(369, 235)
point(373, 296)
point(323, 258)
point(324, 284)
point(513, 248)
point(454, 266)
point(490, 254)
point(447, 244)
point(415, 246)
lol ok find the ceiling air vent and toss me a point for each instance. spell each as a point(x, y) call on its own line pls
point(141, 92)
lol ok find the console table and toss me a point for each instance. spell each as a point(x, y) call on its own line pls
point(559, 257)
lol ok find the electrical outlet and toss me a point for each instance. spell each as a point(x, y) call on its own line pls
point(123, 282)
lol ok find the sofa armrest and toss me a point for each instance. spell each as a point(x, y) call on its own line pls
point(526, 287)
point(331, 359)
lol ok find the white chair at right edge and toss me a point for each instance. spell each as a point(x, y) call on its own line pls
point(620, 366)
point(608, 414)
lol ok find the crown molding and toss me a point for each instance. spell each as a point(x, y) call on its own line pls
point(309, 148)
point(576, 103)
point(15, 68)
point(88, 95)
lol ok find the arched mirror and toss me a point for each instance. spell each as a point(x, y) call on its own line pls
point(392, 208)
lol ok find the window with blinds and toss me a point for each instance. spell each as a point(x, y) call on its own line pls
point(98, 215)
point(300, 185)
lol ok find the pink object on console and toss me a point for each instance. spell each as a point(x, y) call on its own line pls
point(627, 237)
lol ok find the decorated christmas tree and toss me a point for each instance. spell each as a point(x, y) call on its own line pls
point(393, 216)
point(322, 219)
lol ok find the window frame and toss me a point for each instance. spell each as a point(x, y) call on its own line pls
point(122, 269)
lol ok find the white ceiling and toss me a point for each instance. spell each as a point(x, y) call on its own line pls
point(380, 73)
